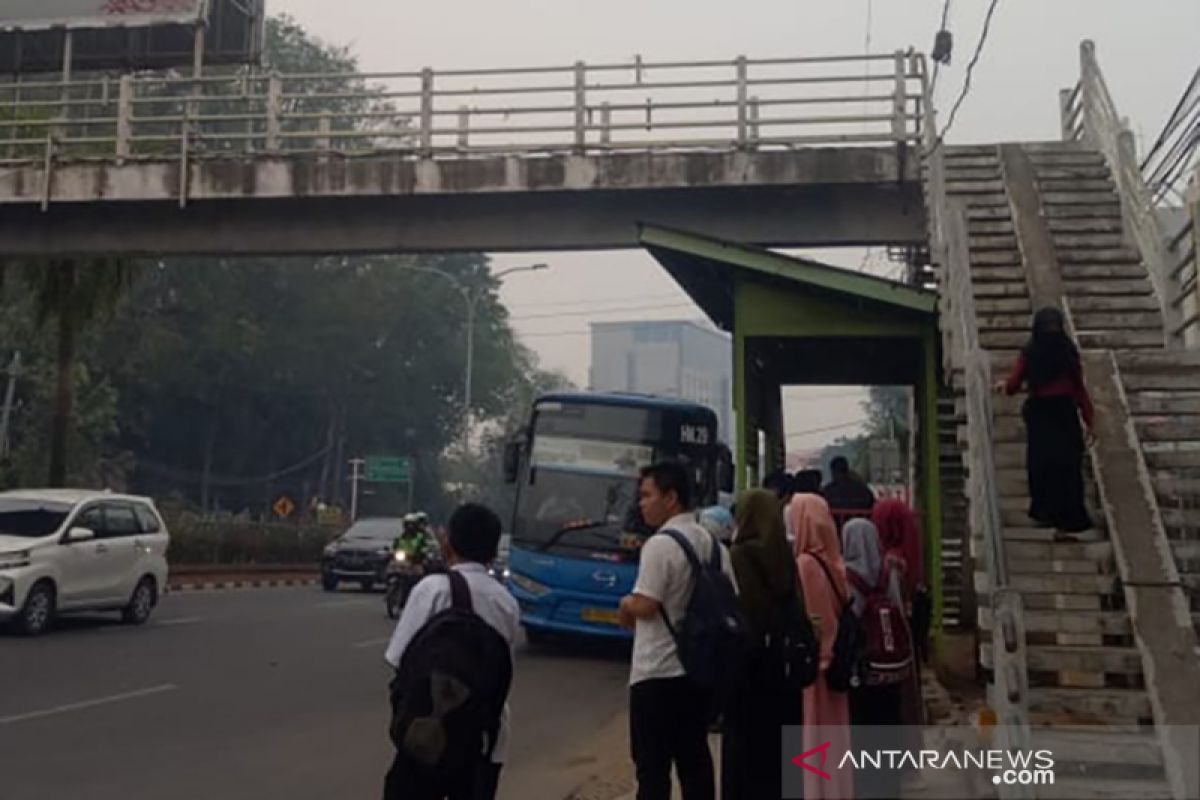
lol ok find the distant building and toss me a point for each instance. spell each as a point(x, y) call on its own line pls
point(672, 358)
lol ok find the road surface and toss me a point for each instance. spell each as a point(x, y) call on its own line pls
point(274, 693)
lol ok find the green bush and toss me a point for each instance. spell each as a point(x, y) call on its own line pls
point(241, 542)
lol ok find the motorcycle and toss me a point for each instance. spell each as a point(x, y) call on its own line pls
point(407, 568)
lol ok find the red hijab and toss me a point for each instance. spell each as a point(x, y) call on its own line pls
point(901, 537)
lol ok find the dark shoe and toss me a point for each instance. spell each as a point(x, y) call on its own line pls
point(1063, 536)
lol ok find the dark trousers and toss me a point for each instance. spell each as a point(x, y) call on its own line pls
point(407, 780)
point(875, 716)
point(667, 727)
point(761, 704)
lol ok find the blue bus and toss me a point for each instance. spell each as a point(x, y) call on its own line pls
point(577, 530)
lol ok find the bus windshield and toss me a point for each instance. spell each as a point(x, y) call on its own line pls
point(581, 494)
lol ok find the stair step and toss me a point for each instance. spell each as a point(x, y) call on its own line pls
point(1027, 533)
point(1139, 320)
point(1085, 303)
point(1075, 658)
point(1053, 583)
point(1075, 185)
point(1169, 429)
point(1071, 225)
point(1017, 306)
point(1108, 288)
point(1081, 158)
point(1069, 621)
point(1101, 271)
point(1010, 289)
point(991, 228)
point(1004, 243)
point(1147, 403)
point(1074, 567)
point(1172, 459)
point(1161, 381)
point(1106, 705)
point(973, 187)
point(1101, 553)
point(1167, 360)
point(1008, 274)
point(1089, 240)
point(979, 173)
point(1107, 255)
point(1100, 745)
point(999, 258)
point(1088, 339)
point(1086, 172)
point(1108, 210)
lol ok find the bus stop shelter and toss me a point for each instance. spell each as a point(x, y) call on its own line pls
point(797, 322)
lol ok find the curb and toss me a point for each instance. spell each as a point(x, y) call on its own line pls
point(266, 583)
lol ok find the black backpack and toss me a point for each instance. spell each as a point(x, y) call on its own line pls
point(711, 637)
point(796, 639)
point(449, 691)
point(848, 667)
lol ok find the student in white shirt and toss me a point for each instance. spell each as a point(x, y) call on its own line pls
point(471, 543)
point(666, 712)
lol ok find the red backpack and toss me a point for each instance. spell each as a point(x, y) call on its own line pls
point(885, 630)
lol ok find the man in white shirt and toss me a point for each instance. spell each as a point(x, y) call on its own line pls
point(666, 712)
point(471, 542)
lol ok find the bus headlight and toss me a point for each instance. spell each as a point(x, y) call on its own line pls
point(529, 584)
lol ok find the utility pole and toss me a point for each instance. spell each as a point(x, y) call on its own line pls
point(356, 464)
point(9, 394)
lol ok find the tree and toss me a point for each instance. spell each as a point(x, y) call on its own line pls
point(71, 294)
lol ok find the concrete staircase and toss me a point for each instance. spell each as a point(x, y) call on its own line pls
point(1084, 664)
point(1163, 389)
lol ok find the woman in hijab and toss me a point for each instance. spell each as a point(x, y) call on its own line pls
point(1050, 366)
point(875, 711)
point(823, 579)
point(900, 539)
point(769, 596)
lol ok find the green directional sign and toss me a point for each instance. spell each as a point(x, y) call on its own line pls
point(389, 469)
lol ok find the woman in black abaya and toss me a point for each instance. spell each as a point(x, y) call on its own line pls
point(1050, 366)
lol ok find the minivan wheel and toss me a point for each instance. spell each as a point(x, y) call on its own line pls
point(329, 583)
point(38, 612)
point(141, 603)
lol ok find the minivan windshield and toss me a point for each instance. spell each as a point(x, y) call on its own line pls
point(31, 519)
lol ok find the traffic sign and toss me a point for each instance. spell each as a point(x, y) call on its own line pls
point(389, 469)
point(284, 507)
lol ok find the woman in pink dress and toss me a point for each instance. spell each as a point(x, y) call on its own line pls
point(823, 577)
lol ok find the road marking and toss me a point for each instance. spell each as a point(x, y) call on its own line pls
point(372, 643)
point(100, 701)
point(343, 603)
point(179, 621)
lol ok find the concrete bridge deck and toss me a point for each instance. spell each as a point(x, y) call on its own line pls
point(780, 152)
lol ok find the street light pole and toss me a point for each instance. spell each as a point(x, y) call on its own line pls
point(470, 300)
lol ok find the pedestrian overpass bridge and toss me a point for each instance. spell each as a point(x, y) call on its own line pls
point(798, 151)
point(783, 152)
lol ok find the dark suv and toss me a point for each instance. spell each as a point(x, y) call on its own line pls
point(361, 554)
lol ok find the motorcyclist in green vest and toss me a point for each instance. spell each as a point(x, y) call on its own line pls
point(414, 537)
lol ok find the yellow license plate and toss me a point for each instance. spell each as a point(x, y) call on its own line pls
point(605, 616)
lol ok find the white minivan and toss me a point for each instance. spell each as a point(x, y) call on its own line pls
point(66, 550)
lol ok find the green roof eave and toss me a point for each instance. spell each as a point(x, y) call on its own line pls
point(790, 268)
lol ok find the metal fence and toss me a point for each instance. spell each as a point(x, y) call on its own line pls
point(748, 103)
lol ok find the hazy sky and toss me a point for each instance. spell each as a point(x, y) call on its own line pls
point(1147, 49)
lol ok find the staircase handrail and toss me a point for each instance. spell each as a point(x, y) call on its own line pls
point(950, 249)
point(1089, 115)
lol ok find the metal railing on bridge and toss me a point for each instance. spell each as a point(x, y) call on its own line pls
point(581, 108)
point(1161, 218)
